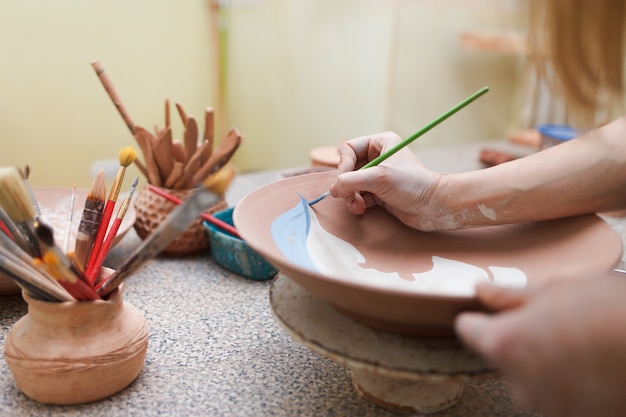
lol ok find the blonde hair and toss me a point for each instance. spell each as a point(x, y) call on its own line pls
point(582, 43)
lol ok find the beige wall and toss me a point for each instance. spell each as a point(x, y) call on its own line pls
point(311, 73)
point(300, 74)
point(54, 113)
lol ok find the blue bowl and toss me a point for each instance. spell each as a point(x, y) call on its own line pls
point(235, 254)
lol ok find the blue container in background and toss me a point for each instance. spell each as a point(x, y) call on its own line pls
point(235, 254)
point(552, 134)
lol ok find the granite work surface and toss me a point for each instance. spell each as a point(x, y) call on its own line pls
point(215, 348)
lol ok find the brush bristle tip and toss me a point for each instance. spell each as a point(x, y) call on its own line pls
point(127, 156)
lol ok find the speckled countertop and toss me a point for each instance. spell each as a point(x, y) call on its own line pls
point(216, 350)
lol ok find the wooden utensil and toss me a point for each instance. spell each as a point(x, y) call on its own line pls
point(220, 156)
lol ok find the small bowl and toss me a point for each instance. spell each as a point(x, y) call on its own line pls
point(235, 254)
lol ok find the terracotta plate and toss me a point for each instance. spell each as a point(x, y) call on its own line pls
point(54, 203)
point(583, 246)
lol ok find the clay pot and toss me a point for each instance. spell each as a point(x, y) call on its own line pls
point(76, 352)
point(152, 209)
point(8, 286)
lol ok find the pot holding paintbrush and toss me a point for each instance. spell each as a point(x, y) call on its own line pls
point(75, 344)
point(75, 352)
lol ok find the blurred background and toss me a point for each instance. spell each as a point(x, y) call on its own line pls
point(292, 75)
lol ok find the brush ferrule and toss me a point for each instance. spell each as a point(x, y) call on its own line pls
point(117, 184)
point(92, 215)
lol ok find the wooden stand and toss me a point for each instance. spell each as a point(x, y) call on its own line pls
point(399, 373)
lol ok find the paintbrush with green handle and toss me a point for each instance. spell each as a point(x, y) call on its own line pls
point(410, 139)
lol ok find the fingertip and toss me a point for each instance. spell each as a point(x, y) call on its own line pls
point(470, 327)
point(356, 204)
point(500, 297)
point(333, 190)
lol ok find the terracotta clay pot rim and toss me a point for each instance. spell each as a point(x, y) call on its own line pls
point(113, 298)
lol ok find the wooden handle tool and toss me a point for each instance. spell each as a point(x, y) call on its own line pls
point(191, 138)
point(220, 156)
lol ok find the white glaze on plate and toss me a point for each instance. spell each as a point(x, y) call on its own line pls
point(304, 241)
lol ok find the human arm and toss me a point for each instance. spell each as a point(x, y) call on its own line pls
point(561, 346)
point(585, 175)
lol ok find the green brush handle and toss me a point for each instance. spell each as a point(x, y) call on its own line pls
point(425, 129)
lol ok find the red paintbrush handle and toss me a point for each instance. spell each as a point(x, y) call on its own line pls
point(80, 290)
point(222, 225)
point(209, 218)
point(102, 229)
point(5, 230)
point(104, 250)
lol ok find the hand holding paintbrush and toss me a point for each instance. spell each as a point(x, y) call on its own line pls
point(382, 157)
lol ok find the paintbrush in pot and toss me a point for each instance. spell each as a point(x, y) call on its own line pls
point(5, 229)
point(175, 224)
point(32, 278)
point(108, 241)
point(68, 221)
point(14, 232)
point(24, 278)
point(15, 200)
point(410, 139)
point(90, 220)
point(126, 157)
point(26, 175)
point(61, 268)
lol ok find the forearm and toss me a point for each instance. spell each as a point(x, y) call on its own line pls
point(585, 175)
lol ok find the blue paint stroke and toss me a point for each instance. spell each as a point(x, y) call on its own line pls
point(290, 231)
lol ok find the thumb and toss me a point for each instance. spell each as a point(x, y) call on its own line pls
point(351, 182)
point(497, 297)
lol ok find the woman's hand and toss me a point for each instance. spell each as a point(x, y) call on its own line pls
point(400, 184)
point(562, 346)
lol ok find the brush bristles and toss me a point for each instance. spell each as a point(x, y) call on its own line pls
point(51, 260)
point(98, 189)
point(45, 234)
point(127, 156)
point(14, 196)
